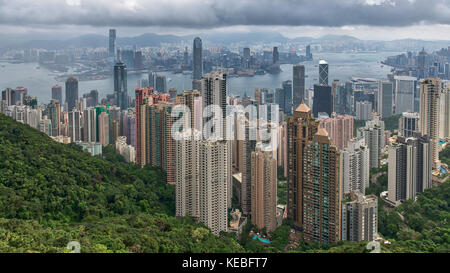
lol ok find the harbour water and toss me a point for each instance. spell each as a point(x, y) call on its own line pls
point(342, 66)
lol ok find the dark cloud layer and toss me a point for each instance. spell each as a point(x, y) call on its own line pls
point(219, 13)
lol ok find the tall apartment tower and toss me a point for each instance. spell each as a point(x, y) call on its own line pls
point(385, 98)
point(408, 124)
point(360, 217)
point(54, 114)
point(214, 92)
point(103, 128)
point(313, 182)
point(112, 43)
point(57, 93)
point(339, 128)
point(430, 91)
point(298, 85)
point(264, 190)
point(141, 93)
point(422, 64)
point(71, 93)
point(373, 133)
point(198, 59)
point(187, 166)
point(245, 149)
point(409, 169)
point(89, 125)
point(159, 144)
point(355, 166)
point(287, 97)
point(445, 111)
point(75, 126)
point(213, 184)
point(363, 110)
point(323, 72)
point(120, 85)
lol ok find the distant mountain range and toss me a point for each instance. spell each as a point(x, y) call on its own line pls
point(216, 38)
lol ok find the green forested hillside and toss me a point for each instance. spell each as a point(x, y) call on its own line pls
point(51, 193)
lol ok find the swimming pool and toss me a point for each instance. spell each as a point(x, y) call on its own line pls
point(256, 237)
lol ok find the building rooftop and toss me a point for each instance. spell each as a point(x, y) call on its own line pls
point(303, 108)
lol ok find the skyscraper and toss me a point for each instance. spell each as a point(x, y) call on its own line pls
point(54, 115)
point(198, 59)
point(91, 98)
point(141, 93)
point(363, 110)
point(214, 92)
point(89, 125)
point(385, 98)
point(339, 128)
point(430, 92)
point(187, 176)
point(409, 169)
point(360, 217)
point(57, 93)
point(323, 72)
point(287, 95)
point(160, 84)
point(313, 183)
point(408, 124)
point(275, 56)
point(112, 43)
point(75, 126)
point(406, 94)
point(213, 184)
point(71, 93)
point(422, 64)
point(355, 166)
point(323, 100)
point(103, 128)
point(298, 85)
point(445, 111)
point(160, 146)
point(373, 133)
point(264, 189)
point(120, 85)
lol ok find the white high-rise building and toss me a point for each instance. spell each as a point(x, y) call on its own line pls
point(355, 166)
point(187, 177)
point(363, 110)
point(409, 169)
point(360, 218)
point(373, 133)
point(75, 126)
point(444, 123)
point(89, 125)
point(430, 91)
point(213, 184)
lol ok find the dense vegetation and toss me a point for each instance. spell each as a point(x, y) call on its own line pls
point(391, 123)
point(51, 193)
point(444, 156)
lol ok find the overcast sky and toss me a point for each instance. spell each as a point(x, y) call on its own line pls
point(365, 19)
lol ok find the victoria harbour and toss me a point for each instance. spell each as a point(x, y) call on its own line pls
point(343, 66)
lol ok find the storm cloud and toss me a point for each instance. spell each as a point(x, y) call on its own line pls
point(220, 13)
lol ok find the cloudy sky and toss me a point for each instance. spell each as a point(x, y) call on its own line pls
point(365, 19)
